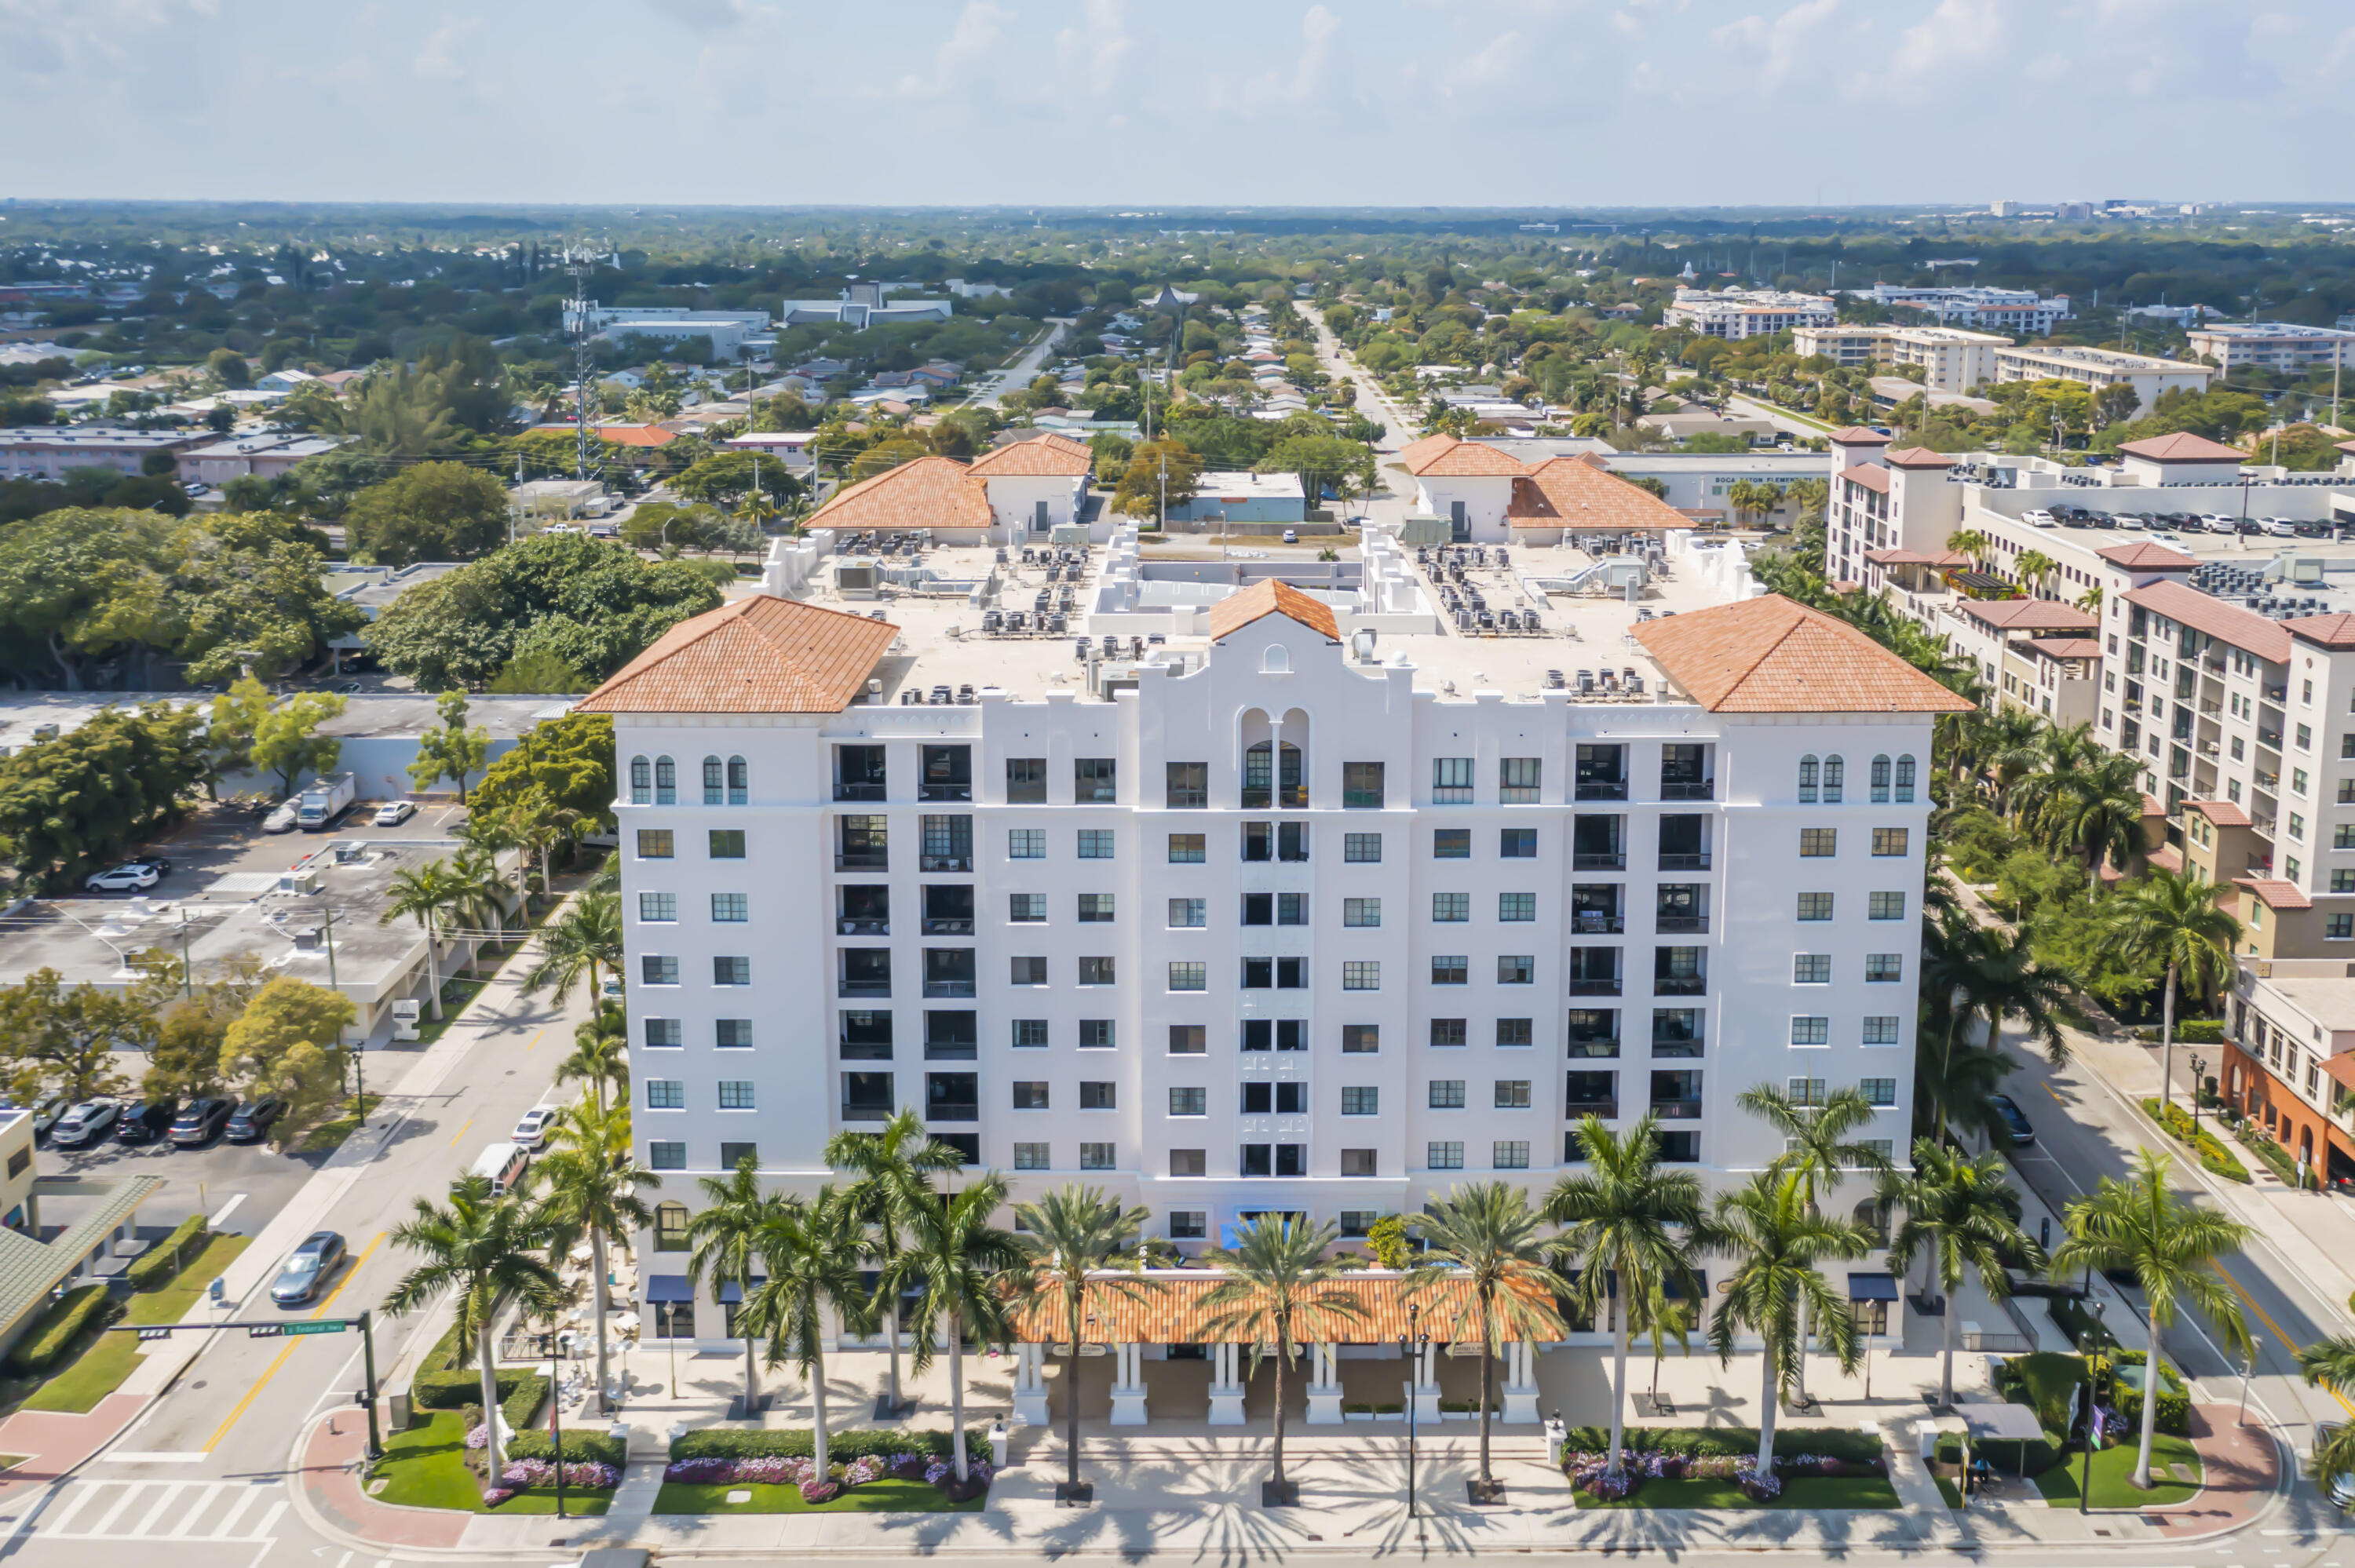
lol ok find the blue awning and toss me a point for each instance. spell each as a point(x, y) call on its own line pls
point(1873, 1287)
point(670, 1287)
point(732, 1293)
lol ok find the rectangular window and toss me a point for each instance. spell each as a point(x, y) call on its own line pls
point(1811, 969)
point(1291, 1034)
point(663, 1154)
point(1884, 906)
point(736, 1093)
point(1096, 1035)
point(1361, 1100)
point(1451, 844)
point(1188, 914)
point(1025, 843)
point(1451, 968)
point(1360, 1039)
point(1510, 1154)
point(1031, 1157)
point(730, 908)
point(1188, 849)
point(1095, 844)
point(2338, 928)
point(946, 773)
point(1029, 971)
point(2343, 881)
point(1189, 786)
point(1451, 780)
point(1883, 968)
point(658, 908)
point(665, 1093)
point(1818, 843)
point(2343, 836)
point(1291, 909)
point(1447, 1031)
point(1888, 842)
point(1030, 1034)
point(1188, 1162)
point(1517, 843)
point(1096, 971)
point(1095, 1157)
point(1187, 1039)
point(1517, 907)
point(1516, 1034)
point(1361, 974)
point(1093, 784)
point(1451, 908)
point(732, 1033)
point(1099, 1095)
point(731, 972)
point(1518, 780)
point(1877, 1091)
point(727, 844)
point(1190, 1102)
point(1292, 974)
point(1358, 1163)
point(864, 844)
point(1814, 906)
point(1805, 1092)
point(1880, 1029)
point(654, 844)
point(663, 1034)
point(1512, 1093)
point(1356, 1223)
point(1025, 780)
point(1447, 1094)
point(653, 970)
point(1810, 1030)
point(1517, 969)
point(1361, 912)
point(1361, 786)
point(1188, 1224)
point(1259, 974)
point(1026, 908)
point(1190, 977)
point(1095, 908)
point(859, 773)
point(947, 843)
point(1445, 1156)
point(1361, 849)
point(865, 1036)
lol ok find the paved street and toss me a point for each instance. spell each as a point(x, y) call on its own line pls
point(1022, 371)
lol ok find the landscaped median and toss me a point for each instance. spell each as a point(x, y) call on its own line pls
point(2214, 1158)
point(2047, 1383)
point(1716, 1466)
point(742, 1470)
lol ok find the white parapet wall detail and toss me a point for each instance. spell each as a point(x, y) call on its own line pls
point(791, 563)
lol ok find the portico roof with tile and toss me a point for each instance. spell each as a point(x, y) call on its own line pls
point(1127, 1308)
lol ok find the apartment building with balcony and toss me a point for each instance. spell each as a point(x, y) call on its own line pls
point(1747, 312)
point(2021, 311)
point(1951, 359)
point(2286, 347)
point(1274, 923)
point(2102, 367)
point(2288, 1058)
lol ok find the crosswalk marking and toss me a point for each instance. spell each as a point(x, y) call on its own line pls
point(109, 1505)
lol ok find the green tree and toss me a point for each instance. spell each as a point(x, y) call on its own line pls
point(1819, 1150)
point(286, 739)
point(725, 1238)
point(579, 944)
point(600, 1056)
point(1484, 1237)
point(1777, 1247)
point(2174, 920)
point(1626, 1217)
point(2330, 1364)
point(538, 673)
point(589, 1184)
point(2171, 1245)
point(726, 478)
point(483, 1249)
point(811, 1251)
point(2095, 811)
point(1980, 975)
point(289, 1041)
point(1963, 1216)
point(431, 512)
point(1157, 470)
point(430, 894)
point(1280, 1288)
point(1081, 1252)
point(64, 1041)
point(888, 1169)
point(2035, 568)
point(1345, 467)
point(957, 1260)
point(235, 713)
point(449, 749)
point(227, 367)
point(89, 795)
point(568, 762)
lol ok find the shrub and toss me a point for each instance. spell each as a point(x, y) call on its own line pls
point(2214, 1157)
point(452, 1389)
point(2174, 1417)
point(521, 1408)
point(800, 1443)
point(153, 1268)
point(2189, 1032)
point(2071, 1317)
point(1730, 1441)
point(60, 1327)
point(594, 1447)
point(2045, 1382)
point(2041, 1454)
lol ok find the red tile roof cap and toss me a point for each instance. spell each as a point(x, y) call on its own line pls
point(1773, 655)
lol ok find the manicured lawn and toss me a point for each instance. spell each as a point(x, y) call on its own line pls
point(99, 1371)
point(1951, 1492)
point(328, 1136)
point(890, 1496)
point(1800, 1491)
point(2114, 1476)
point(425, 1467)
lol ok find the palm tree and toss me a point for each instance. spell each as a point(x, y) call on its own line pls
point(1081, 1249)
point(577, 943)
point(958, 1260)
point(1963, 1216)
point(538, 826)
point(1818, 1150)
point(1955, 1085)
point(2034, 566)
point(480, 890)
point(1485, 1236)
point(1660, 1315)
point(1984, 974)
point(2174, 918)
point(484, 1248)
point(725, 1238)
point(1969, 541)
point(591, 1181)
point(1277, 1274)
point(2170, 1246)
point(1622, 1215)
point(2096, 812)
point(811, 1250)
point(2090, 601)
point(2012, 747)
point(493, 832)
point(426, 895)
point(601, 1055)
point(1777, 1244)
point(898, 1159)
point(2056, 756)
point(2330, 1364)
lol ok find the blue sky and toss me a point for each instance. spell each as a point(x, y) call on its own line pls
point(1396, 102)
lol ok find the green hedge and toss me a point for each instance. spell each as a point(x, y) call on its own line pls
point(155, 1268)
point(578, 1445)
point(800, 1443)
point(444, 1356)
point(2041, 1454)
point(1726, 1442)
point(2189, 1032)
point(2214, 1158)
point(2045, 1382)
point(457, 1390)
point(59, 1329)
point(2174, 1404)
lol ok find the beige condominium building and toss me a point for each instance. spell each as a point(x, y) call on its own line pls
point(1952, 360)
point(2101, 367)
point(2273, 345)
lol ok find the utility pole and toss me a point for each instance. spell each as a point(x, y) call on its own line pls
point(187, 968)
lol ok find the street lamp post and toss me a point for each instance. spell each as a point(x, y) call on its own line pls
point(2092, 1399)
point(1412, 1345)
point(2199, 1076)
point(2246, 1368)
point(557, 1343)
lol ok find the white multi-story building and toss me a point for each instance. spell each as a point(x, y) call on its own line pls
point(1260, 922)
point(1952, 360)
point(2272, 346)
point(1747, 312)
point(2021, 311)
point(2100, 368)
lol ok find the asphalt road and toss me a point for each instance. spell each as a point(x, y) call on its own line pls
point(1023, 371)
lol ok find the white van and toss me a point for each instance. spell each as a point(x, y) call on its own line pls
point(502, 1164)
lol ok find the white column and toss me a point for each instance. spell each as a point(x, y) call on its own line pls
point(1029, 1386)
point(1423, 1389)
point(1520, 1389)
point(1324, 1386)
point(1128, 1386)
point(1226, 1388)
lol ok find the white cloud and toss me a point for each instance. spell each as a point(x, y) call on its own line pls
point(1780, 39)
point(978, 27)
point(437, 58)
point(1487, 68)
point(1959, 32)
point(1095, 50)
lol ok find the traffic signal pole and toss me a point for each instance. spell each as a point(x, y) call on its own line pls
point(291, 1329)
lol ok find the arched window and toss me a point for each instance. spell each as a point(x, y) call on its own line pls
point(1906, 780)
point(740, 782)
point(666, 783)
point(711, 781)
point(1808, 770)
point(641, 781)
point(1881, 781)
point(1835, 770)
point(1871, 1216)
point(1272, 776)
point(670, 1227)
point(1277, 660)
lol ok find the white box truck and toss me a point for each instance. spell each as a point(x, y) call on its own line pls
point(325, 800)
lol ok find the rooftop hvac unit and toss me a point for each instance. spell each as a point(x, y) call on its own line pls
point(298, 882)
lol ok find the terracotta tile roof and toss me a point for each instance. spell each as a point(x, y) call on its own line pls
point(2339, 1069)
point(635, 435)
point(2029, 614)
point(2273, 894)
point(1916, 558)
point(2336, 630)
point(1565, 492)
point(1047, 455)
point(1857, 436)
point(2146, 555)
point(1873, 476)
point(2167, 857)
point(930, 493)
point(1449, 458)
point(2205, 613)
point(2151, 808)
point(2223, 813)
point(2183, 447)
point(1268, 597)
point(758, 655)
point(1175, 1313)
point(1771, 655)
point(1917, 457)
point(2067, 646)
point(2347, 447)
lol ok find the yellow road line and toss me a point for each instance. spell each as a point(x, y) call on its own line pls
point(2280, 1338)
point(2055, 1094)
point(536, 1039)
point(461, 1132)
point(272, 1371)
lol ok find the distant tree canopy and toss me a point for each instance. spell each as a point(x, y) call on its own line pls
point(593, 605)
point(568, 759)
point(69, 806)
point(433, 511)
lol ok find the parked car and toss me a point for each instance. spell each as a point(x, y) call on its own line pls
point(202, 1122)
point(1292, 536)
point(46, 1113)
point(132, 876)
point(2013, 1121)
point(282, 816)
point(2279, 527)
point(393, 813)
point(532, 1130)
point(84, 1124)
point(251, 1122)
point(146, 1123)
point(308, 1266)
point(2038, 518)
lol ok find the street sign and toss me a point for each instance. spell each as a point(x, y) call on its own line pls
point(324, 1325)
point(154, 1333)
